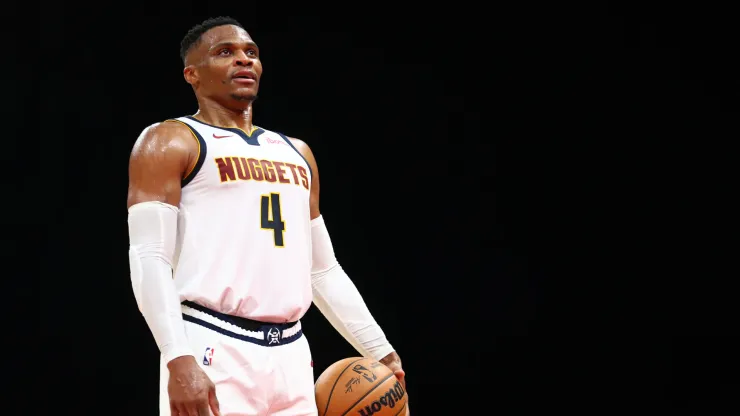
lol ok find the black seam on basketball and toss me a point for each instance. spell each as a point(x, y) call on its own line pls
point(331, 392)
point(401, 409)
point(372, 390)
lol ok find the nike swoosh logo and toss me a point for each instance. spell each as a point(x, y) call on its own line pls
point(221, 137)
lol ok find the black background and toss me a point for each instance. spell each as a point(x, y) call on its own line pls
point(529, 198)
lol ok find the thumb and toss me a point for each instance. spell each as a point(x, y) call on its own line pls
point(213, 402)
point(401, 376)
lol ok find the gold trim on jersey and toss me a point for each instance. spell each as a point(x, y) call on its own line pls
point(190, 129)
point(254, 128)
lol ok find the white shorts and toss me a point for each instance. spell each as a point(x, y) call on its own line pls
point(257, 370)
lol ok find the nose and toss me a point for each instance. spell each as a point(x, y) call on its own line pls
point(242, 59)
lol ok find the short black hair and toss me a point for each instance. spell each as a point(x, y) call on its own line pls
point(193, 36)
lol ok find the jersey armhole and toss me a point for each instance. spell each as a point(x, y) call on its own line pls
point(202, 149)
point(287, 140)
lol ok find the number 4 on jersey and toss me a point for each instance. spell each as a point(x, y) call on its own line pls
point(271, 218)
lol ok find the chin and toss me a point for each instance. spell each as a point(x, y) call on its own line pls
point(244, 97)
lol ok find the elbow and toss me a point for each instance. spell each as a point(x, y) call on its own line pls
point(321, 275)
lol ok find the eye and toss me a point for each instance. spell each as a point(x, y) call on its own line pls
point(252, 52)
point(224, 52)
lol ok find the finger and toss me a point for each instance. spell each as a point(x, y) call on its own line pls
point(179, 409)
point(203, 408)
point(401, 376)
point(213, 401)
point(191, 409)
point(174, 411)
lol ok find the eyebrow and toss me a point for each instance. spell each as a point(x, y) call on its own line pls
point(232, 44)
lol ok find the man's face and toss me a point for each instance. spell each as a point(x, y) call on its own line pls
point(225, 65)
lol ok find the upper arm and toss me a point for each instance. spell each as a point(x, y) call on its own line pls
point(306, 152)
point(159, 160)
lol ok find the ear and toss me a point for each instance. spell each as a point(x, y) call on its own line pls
point(191, 75)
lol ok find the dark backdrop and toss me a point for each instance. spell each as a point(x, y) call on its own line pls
point(525, 196)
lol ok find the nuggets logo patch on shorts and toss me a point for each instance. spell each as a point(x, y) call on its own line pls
point(208, 356)
point(273, 336)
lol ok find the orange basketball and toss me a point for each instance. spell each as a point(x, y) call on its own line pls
point(359, 386)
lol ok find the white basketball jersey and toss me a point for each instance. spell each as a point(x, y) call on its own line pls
point(244, 230)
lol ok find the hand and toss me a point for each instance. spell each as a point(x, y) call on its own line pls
point(393, 361)
point(191, 392)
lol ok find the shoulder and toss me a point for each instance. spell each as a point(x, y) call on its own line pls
point(164, 136)
point(299, 144)
point(304, 150)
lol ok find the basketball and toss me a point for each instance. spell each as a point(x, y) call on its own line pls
point(359, 386)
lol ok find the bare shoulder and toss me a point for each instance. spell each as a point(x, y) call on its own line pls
point(299, 144)
point(159, 159)
point(304, 149)
point(164, 137)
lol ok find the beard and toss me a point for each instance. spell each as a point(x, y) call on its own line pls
point(244, 97)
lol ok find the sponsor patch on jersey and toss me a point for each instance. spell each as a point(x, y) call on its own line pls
point(275, 141)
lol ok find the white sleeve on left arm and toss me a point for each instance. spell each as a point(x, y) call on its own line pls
point(339, 301)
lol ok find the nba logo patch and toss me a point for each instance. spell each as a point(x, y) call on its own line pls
point(208, 356)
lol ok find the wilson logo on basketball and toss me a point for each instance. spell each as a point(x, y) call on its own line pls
point(389, 399)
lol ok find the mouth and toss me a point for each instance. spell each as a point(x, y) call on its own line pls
point(245, 77)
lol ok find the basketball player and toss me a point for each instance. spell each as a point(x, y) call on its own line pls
point(228, 247)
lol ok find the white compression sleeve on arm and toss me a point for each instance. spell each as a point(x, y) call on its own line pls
point(152, 234)
point(339, 301)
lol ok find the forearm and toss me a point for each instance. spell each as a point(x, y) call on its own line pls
point(323, 306)
point(339, 300)
point(152, 229)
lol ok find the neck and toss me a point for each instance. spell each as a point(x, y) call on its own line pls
point(216, 114)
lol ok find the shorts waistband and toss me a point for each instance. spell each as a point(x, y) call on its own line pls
point(262, 333)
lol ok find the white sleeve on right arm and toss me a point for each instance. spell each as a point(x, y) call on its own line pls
point(152, 234)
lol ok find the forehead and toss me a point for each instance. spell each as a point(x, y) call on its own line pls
point(226, 33)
